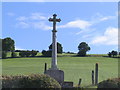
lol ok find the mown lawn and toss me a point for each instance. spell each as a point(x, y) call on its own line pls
point(73, 67)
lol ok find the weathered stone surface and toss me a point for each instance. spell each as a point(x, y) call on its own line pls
point(58, 75)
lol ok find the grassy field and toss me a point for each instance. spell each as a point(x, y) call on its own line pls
point(73, 67)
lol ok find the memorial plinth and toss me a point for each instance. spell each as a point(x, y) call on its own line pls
point(58, 75)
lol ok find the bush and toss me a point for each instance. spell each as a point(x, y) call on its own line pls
point(82, 53)
point(110, 83)
point(47, 53)
point(4, 55)
point(30, 81)
point(22, 54)
point(13, 54)
point(28, 53)
point(34, 53)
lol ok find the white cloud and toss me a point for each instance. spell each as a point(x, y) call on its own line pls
point(81, 24)
point(22, 18)
point(38, 21)
point(33, 16)
point(110, 37)
point(41, 25)
point(85, 26)
point(37, 16)
point(97, 18)
point(11, 14)
point(22, 24)
point(35, 20)
point(106, 18)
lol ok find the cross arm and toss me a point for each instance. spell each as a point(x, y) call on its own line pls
point(58, 20)
point(50, 19)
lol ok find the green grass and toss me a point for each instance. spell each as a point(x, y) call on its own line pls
point(73, 67)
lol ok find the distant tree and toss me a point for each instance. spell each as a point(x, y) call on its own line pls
point(34, 53)
point(83, 48)
point(114, 53)
point(109, 54)
point(18, 50)
point(43, 52)
point(4, 54)
point(27, 53)
point(13, 55)
point(59, 48)
point(22, 54)
point(47, 53)
point(8, 44)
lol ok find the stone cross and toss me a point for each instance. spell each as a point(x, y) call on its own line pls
point(54, 43)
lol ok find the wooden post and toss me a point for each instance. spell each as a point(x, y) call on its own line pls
point(45, 67)
point(79, 82)
point(92, 77)
point(96, 74)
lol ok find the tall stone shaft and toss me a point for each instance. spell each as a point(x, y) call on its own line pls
point(54, 50)
point(54, 42)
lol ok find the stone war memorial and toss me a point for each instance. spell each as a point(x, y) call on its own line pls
point(54, 71)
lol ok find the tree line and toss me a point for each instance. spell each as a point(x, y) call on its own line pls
point(8, 45)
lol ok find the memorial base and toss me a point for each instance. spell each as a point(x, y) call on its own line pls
point(58, 75)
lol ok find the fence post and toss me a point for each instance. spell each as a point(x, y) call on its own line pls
point(79, 82)
point(45, 67)
point(92, 77)
point(96, 74)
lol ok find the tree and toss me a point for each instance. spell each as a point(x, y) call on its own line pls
point(4, 55)
point(109, 54)
point(59, 48)
point(83, 48)
point(13, 55)
point(22, 54)
point(114, 53)
point(8, 44)
point(47, 53)
point(34, 53)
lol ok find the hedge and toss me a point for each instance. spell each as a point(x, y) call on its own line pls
point(110, 83)
point(29, 81)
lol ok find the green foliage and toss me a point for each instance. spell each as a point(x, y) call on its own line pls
point(83, 48)
point(22, 54)
point(112, 53)
point(29, 81)
point(110, 83)
point(109, 54)
point(34, 53)
point(13, 55)
point(4, 54)
point(8, 44)
point(59, 48)
point(27, 53)
point(47, 53)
